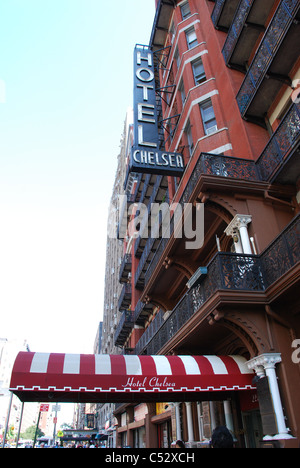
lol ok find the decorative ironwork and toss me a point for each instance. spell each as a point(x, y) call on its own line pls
point(210, 164)
point(125, 297)
point(244, 273)
point(282, 254)
point(124, 327)
point(284, 139)
point(226, 166)
point(149, 333)
point(227, 271)
point(277, 29)
point(125, 268)
point(236, 28)
point(219, 4)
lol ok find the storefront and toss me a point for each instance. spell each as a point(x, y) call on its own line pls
point(152, 379)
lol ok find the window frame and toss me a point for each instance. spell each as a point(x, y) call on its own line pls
point(187, 14)
point(201, 77)
point(191, 43)
point(208, 123)
point(189, 136)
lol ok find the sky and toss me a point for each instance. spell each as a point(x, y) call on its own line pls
point(66, 81)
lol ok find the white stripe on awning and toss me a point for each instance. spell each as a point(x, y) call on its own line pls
point(102, 364)
point(241, 363)
point(191, 366)
point(162, 365)
point(133, 365)
point(39, 363)
point(218, 365)
point(72, 364)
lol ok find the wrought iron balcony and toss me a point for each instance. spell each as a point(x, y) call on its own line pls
point(158, 193)
point(207, 164)
point(125, 297)
point(125, 268)
point(123, 215)
point(272, 63)
point(143, 190)
point(223, 13)
point(149, 334)
point(281, 149)
point(283, 254)
point(248, 23)
point(142, 312)
point(145, 260)
point(227, 271)
point(124, 328)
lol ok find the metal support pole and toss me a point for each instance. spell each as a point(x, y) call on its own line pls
point(7, 419)
point(36, 429)
point(20, 424)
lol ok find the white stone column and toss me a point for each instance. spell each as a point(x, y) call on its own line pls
point(178, 425)
point(189, 416)
point(200, 421)
point(268, 362)
point(238, 228)
point(213, 423)
point(228, 416)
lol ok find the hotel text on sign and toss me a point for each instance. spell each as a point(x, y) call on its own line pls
point(146, 156)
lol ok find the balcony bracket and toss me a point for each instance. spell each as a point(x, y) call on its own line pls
point(258, 27)
point(282, 78)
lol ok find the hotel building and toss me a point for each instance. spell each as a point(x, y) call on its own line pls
point(226, 73)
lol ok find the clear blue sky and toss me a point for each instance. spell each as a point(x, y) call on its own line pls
point(67, 69)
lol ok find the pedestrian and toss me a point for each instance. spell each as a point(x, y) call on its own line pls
point(221, 438)
point(179, 444)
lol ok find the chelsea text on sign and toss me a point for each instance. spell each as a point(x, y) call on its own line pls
point(146, 156)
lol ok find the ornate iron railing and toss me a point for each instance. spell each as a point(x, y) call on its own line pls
point(280, 145)
point(209, 164)
point(124, 327)
point(125, 297)
point(282, 254)
point(236, 28)
point(127, 260)
point(228, 271)
point(225, 271)
point(146, 216)
point(282, 142)
point(217, 11)
point(277, 29)
point(149, 333)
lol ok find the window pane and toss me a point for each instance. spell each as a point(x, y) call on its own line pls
point(208, 117)
point(199, 72)
point(185, 10)
point(208, 114)
point(182, 91)
point(191, 38)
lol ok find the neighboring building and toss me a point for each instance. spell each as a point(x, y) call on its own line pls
point(98, 339)
point(8, 352)
point(114, 253)
point(226, 73)
point(114, 256)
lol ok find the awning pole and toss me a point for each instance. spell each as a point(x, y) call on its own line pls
point(20, 424)
point(7, 419)
point(36, 429)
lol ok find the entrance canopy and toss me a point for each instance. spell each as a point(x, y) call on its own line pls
point(116, 378)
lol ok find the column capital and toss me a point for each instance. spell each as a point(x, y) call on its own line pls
point(265, 361)
point(238, 221)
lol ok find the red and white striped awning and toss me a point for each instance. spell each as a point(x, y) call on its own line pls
point(80, 377)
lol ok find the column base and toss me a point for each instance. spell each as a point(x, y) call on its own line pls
point(279, 437)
